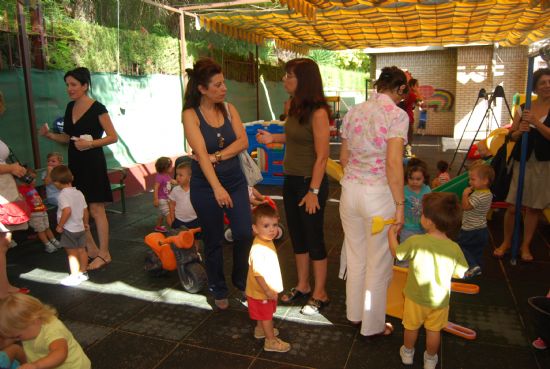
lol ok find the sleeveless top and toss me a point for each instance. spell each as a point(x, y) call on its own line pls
point(228, 171)
point(300, 153)
point(535, 143)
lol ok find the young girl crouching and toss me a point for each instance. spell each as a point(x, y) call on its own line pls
point(46, 341)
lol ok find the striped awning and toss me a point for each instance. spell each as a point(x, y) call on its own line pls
point(353, 24)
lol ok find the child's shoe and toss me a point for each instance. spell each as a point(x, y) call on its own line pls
point(276, 345)
point(407, 355)
point(472, 272)
point(430, 361)
point(12, 244)
point(161, 229)
point(83, 276)
point(539, 344)
point(259, 332)
point(50, 248)
point(56, 243)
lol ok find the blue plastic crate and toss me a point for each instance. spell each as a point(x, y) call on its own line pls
point(270, 158)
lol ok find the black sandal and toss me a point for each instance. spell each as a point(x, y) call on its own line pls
point(314, 306)
point(294, 294)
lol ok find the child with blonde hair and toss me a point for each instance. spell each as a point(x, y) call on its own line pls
point(72, 223)
point(46, 340)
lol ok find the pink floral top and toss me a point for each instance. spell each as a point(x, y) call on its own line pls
point(367, 128)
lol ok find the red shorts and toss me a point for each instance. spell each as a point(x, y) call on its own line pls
point(261, 309)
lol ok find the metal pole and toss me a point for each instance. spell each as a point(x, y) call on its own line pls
point(257, 79)
point(521, 175)
point(26, 64)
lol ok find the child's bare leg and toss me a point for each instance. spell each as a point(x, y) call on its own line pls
point(433, 340)
point(160, 220)
point(43, 237)
point(267, 326)
point(82, 259)
point(49, 234)
point(74, 263)
point(15, 352)
point(409, 338)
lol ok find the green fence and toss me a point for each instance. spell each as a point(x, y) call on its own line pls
point(145, 110)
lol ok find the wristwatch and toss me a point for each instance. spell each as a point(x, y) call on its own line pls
point(314, 191)
point(218, 156)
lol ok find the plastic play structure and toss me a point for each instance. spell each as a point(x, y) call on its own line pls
point(176, 252)
point(396, 300)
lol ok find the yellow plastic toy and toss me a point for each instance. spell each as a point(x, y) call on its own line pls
point(378, 224)
point(334, 170)
point(396, 301)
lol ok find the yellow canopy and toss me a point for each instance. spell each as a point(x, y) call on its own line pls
point(353, 24)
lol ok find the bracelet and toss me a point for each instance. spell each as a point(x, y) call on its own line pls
point(399, 203)
point(218, 156)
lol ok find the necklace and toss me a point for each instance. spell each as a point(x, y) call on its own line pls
point(219, 138)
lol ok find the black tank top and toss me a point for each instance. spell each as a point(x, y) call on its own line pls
point(228, 171)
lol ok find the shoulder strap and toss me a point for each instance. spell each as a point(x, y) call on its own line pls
point(227, 110)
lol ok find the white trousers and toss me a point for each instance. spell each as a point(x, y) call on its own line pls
point(368, 257)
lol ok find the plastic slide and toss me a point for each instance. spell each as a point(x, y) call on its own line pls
point(396, 300)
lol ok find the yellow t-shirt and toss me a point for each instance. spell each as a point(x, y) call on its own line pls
point(263, 262)
point(38, 348)
point(432, 264)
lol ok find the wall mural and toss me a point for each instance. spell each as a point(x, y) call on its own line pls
point(437, 99)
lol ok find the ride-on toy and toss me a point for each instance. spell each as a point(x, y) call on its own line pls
point(176, 252)
point(228, 234)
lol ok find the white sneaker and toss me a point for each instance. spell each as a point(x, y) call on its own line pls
point(430, 361)
point(50, 248)
point(12, 244)
point(56, 243)
point(72, 280)
point(407, 355)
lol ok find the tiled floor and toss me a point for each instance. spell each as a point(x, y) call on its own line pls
point(126, 319)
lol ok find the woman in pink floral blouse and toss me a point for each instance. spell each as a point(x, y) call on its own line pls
point(374, 134)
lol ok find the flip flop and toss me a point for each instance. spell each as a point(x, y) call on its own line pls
point(102, 265)
point(314, 306)
point(388, 330)
point(294, 294)
point(499, 253)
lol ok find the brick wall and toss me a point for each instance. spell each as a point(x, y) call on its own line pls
point(464, 71)
point(435, 68)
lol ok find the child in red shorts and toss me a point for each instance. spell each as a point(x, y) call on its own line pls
point(264, 281)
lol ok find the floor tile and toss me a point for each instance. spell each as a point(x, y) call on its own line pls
point(107, 310)
point(87, 334)
point(171, 322)
point(228, 331)
point(127, 351)
point(318, 346)
point(186, 356)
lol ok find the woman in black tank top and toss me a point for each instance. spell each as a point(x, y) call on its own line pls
point(215, 133)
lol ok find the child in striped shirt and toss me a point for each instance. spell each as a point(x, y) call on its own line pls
point(476, 202)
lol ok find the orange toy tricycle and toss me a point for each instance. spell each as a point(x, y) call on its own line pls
point(176, 252)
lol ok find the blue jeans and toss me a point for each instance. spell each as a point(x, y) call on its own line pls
point(210, 216)
point(472, 244)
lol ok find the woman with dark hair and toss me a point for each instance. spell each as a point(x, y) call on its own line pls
point(85, 122)
point(305, 188)
point(216, 134)
point(536, 195)
point(373, 133)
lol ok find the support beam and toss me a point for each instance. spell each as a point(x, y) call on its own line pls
point(26, 64)
point(222, 5)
